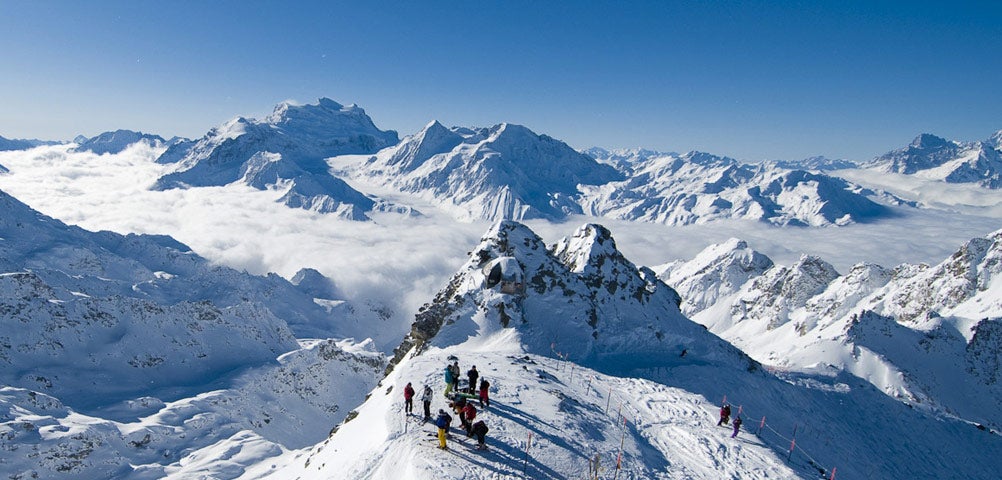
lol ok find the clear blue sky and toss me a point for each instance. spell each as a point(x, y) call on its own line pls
point(752, 80)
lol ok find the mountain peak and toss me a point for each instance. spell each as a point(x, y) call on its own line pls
point(590, 245)
point(928, 141)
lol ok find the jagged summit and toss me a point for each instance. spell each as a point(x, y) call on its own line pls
point(506, 171)
point(286, 150)
point(928, 141)
point(716, 272)
point(933, 157)
point(580, 295)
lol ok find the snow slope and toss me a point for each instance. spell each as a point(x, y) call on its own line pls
point(285, 151)
point(127, 356)
point(552, 418)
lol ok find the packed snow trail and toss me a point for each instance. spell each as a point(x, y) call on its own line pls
point(570, 424)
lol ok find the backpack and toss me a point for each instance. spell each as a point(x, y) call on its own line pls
point(480, 427)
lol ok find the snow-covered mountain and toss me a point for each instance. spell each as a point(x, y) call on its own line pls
point(124, 356)
point(285, 151)
point(699, 188)
point(503, 172)
point(922, 334)
point(617, 314)
point(820, 163)
point(517, 306)
point(623, 159)
point(21, 144)
point(933, 157)
point(118, 140)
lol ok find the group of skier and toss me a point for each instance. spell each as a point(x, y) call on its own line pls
point(459, 402)
point(725, 417)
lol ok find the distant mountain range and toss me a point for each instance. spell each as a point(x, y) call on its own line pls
point(306, 153)
point(927, 335)
point(936, 158)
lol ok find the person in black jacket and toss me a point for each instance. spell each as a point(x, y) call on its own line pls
point(473, 374)
point(480, 430)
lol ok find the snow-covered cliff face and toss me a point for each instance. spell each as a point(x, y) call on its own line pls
point(580, 297)
point(699, 188)
point(925, 335)
point(119, 140)
point(503, 172)
point(285, 150)
point(954, 162)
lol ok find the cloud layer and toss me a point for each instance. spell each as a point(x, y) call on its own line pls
point(402, 261)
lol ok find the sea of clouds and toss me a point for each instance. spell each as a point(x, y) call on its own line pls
point(402, 261)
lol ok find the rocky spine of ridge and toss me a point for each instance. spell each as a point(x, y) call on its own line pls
point(614, 310)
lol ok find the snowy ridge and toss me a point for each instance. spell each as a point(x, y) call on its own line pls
point(699, 188)
point(933, 157)
point(908, 330)
point(286, 151)
point(818, 163)
point(124, 356)
point(22, 144)
point(118, 140)
point(503, 172)
point(551, 419)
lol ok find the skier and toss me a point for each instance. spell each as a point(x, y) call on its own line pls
point(442, 422)
point(473, 374)
point(737, 426)
point(448, 379)
point(484, 387)
point(455, 375)
point(469, 413)
point(408, 398)
point(725, 415)
point(480, 430)
point(426, 400)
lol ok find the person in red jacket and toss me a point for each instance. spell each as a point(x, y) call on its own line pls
point(484, 387)
point(408, 398)
point(469, 413)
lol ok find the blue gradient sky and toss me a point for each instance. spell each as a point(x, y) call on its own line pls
point(752, 80)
